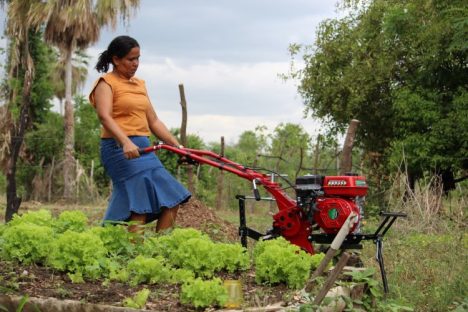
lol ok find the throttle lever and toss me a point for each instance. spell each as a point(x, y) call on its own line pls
point(255, 190)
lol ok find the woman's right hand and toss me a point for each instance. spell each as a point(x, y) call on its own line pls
point(130, 150)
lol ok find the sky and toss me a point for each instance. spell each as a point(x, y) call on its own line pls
point(227, 54)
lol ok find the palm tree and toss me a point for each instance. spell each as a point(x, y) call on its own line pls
point(79, 73)
point(21, 63)
point(72, 25)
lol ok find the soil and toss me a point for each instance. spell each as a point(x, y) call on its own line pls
point(42, 282)
point(197, 215)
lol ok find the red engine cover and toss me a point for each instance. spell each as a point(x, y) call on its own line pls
point(349, 186)
point(333, 213)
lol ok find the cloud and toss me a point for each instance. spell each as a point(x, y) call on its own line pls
point(211, 127)
point(234, 31)
point(214, 87)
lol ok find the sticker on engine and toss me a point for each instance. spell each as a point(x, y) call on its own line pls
point(333, 213)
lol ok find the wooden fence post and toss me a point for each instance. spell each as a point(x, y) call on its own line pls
point(219, 195)
point(183, 136)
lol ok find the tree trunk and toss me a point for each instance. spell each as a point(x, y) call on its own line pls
point(346, 164)
point(183, 136)
point(69, 142)
point(448, 181)
point(49, 193)
point(219, 193)
point(301, 159)
point(410, 187)
point(17, 133)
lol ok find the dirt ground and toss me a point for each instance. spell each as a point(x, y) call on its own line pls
point(42, 282)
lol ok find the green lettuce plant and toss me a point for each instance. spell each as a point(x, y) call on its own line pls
point(200, 293)
point(279, 261)
point(148, 270)
point(27, 242)
point(40, 217)
point(73, 220)
point(80, 254)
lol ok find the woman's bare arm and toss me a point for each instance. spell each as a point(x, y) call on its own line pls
point(158, 128)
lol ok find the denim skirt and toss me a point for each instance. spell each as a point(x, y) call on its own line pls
point(141, 185)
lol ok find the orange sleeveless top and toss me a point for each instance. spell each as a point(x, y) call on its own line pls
point(130, 102)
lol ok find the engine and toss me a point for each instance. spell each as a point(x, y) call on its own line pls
point(327, 201)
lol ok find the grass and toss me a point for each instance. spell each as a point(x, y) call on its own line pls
point(258, 217)
point(94, 211)
point(426, 254)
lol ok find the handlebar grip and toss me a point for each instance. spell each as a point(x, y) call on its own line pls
point(146, 150)
point(257, 194)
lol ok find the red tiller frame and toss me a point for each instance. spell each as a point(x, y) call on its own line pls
point(289, 219)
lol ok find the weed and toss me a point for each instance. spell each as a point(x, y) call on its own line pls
point(138, 301)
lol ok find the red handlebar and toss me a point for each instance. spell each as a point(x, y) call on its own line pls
point(218, 161)
point(289, 218)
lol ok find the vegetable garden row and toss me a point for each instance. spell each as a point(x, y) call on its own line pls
point(185, 256)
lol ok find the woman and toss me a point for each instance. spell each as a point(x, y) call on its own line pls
point(142, 188)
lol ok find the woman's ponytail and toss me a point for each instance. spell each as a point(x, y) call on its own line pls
point(103, 62)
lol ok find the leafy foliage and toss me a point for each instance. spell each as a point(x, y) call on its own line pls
point(27, 242)
point(148, 270)
point(68, 244)
point(233, 256)
point(71, 220)
point(202, 293)
point(400, 68)
point(372, 299)
point(279, 261)
point(40, 217)
point(139, 300)
point(116, 239)
point(81, 254)
point(197, 255)
point(194, 251)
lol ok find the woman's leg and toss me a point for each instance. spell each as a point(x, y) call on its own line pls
point(137, 220)
point(167, 219)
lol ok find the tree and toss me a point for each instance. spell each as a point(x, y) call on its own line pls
point(21, 77)
point(289, 145)
point(79, 74)
point(400, 68)
point(250, 144)
point(72, 25)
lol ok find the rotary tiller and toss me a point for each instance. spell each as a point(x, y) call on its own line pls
point(322, 205)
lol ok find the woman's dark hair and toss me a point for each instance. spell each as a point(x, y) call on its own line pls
point(119, 47)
